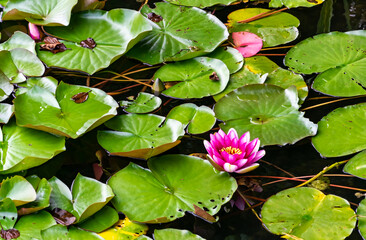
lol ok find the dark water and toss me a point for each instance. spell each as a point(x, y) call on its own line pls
point(299, 159)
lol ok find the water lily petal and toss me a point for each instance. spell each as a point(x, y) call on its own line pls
point(252, 147)
point(259, 155)
point(34, 32)
point(220, 140)
point(228, 157)
point(218, 161)
point(230, 168)
point(214, 164)
point(248, 169)
point(232, 134)
point(221, 133)
point(243, 141)
point(227, 141)
point(240, 163)
point(247, 43)
point(208, 147)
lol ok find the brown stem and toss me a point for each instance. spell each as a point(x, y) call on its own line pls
point(262, 15)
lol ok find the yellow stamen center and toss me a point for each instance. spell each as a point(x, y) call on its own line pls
point(231, 150)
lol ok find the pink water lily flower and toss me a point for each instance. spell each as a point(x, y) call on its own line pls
point(34, 32)
point(228, 152)
point(247, 43)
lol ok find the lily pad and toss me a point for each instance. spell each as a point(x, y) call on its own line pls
point(240, 79)
point(18, 189)
point(30, 226)
point(339, 131)
point(260, 65)
point(84, 5)
point(18, 63)
point(340, 57)
point(268, 112)
point(101, 220)
point(50, 12)
point(357, 165)
point(230, 56)
point(179, 33)
point(42, 198)
point(170, 189)
point(19, 40)
point(200, 3)
point(308, 214)
point(361, 214)
point(140, 136)
point(176, 234)
point(144, 103)
point(8, 214)
point(6, 88)
point(276, 29)
point(194, 78)
point(87, 196)
point(6, 111)
point(113, 32)
point(60, 232)
point(294, 3)
point(198, 119)
point(125, 229)
point(48, 83)
point(23, 148)
point(62, 113)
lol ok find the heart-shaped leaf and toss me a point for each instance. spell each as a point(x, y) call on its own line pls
point(307, 213)
point(198, 119)
point(200, 3)
point(30, 226)
point(60, 113)
point(338, 56)
point(230, 56)
point(268, 112)
point(144, 103)
point(170, 189)
point(194, 78)
point(140, 136)
point(113, 32)
point(19, 40)
point(23, 148)
point(274, 30)
point(17, 189)
point(341, 131)
point(50, 12)
point(178, 33)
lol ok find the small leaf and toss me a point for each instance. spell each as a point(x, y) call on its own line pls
point(52, 44)
point(80, 97)
point(63, 217)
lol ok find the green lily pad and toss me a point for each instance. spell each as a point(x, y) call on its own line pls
point(18, 189)
point(198, 119)
point(89, 196)
point(294, 3)
point(64, 113)
point(8, 213)
point(268, 112)
point(194, 78)
point(23, 148)
point(274, 30)
point(114, 33)
point(18, 63)
point(84, 5)
point(361, 215)
point(50, 12)
point(338, 56)
point(101, 220)
point(125, 229)
point(230, 56)
point(240, 79)
point(6, 111)
point(260, 65)
point(176, 234)
point(357, 165)
point(285, 78)
point(144, 103)
point(60, 232)
point(178, 34)
point(339, 131)
point(308, 214)
point(19, 40)
point(200, 3)
point(170, 189)
point(42, 198)
point(140, 136)
point(48, 83)
point(6, 88)
point(30, 226)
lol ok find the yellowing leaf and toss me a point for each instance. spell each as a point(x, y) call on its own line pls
point(124, 230)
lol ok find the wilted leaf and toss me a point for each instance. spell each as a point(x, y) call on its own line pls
point(63, 217)
point(81, 97)
point(52, 44)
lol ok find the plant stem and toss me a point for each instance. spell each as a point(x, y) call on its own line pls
point(246, 201)
point(271, 54)
point(262, 15)
point(275, 48)
point(326, 169)
point(333, 101)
